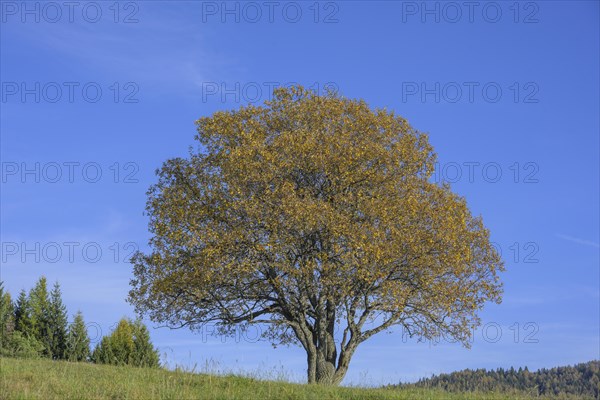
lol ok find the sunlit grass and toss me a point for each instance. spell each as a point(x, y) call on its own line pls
point(45, 379)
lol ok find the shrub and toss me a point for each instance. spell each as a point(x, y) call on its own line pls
point(22, 346)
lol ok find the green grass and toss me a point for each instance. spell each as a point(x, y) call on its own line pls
point(45, 379)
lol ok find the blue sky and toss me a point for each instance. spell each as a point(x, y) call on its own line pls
point(96, 97)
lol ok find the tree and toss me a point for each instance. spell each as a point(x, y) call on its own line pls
point(39, 304)
point(117, 348)
point(23, 318)
point(78, 342)
point(18, 336)
point(308, 214)
point(144, 354)
point(128, 344)
point(103, 353)
point(56, 330)
point(7, 323)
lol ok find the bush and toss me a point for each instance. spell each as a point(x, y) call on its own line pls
point(23, 346)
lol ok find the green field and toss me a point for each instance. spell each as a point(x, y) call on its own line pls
point(45, 379)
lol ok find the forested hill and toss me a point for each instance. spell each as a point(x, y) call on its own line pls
point(581, 380)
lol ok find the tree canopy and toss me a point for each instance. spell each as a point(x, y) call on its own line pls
point(316, 216)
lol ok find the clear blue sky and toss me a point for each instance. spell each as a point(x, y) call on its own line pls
point(508, 93)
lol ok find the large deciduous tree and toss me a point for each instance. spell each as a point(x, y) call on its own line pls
point(315, 216)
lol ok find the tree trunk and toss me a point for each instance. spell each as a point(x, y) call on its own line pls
point(324, 367)
point(325, 370)
point(320, 370)
point(343, 364)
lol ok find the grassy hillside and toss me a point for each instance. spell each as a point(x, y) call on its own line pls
point(45, 379)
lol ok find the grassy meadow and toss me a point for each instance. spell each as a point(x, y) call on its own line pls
point(46, 379)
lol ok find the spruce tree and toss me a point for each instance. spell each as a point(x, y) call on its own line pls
point(144, 355)
point(122, 342)
point(23, 318)
point(39, 303)
point(128, 344)
point(6, 316)
point(103, 353)
point(23, 341)
point(118, 347)
point(56, 328)
point(78, 342)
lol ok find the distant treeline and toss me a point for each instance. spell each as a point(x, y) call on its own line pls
point(581, 380)
point(35, 325)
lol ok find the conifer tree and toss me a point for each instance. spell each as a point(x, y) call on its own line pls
point(23, 318)
point(122, 342)
point(103, 353)
point(78, 341)
point(116, 349)
point(39, 302)
point(6, 316)
point(23, 341)
point(56, 329)
point(128, 344)
point(145, 355)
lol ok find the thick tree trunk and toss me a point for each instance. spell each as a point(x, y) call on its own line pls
point(324, 367)
point(324, 371)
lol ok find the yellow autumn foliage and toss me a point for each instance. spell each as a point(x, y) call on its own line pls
point(317, 216)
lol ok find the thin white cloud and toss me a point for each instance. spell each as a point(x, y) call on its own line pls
point(579, 240)
point(167, 53)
